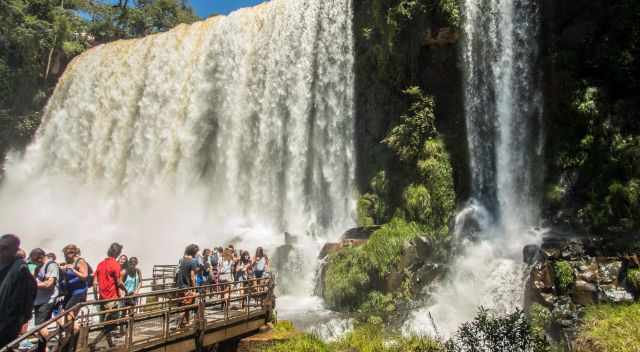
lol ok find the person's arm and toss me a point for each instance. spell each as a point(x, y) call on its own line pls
point(47, 283)
point(95, 287)
point(119, 282)
point(193, 276)
point(83, 270)
point(49, 280)
point(139, 284)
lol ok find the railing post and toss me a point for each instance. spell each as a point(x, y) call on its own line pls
point(83, 339)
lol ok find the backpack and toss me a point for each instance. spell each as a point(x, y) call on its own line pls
point(62, 279)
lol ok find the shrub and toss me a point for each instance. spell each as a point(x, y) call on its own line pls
point(540, 318)
point(417, 203)
point(384, 248)
point(610, 328)
point(377, 307)
point(299, 343)
point(370, 210)
point(370, 338)
point(436, 173)
point(407, 138)
point(491, 333)
point(633, 278)
point(346, 278)
point(563, 274)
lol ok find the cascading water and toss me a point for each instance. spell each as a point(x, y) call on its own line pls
point(233, 129)
point(503, 108)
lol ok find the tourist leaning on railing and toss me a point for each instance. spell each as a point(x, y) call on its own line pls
point(17, 290)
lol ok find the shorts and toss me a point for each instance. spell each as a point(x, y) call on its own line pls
point(69, 302)
point(258, 274)
point(43, 312)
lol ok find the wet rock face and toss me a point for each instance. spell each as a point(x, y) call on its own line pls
point(597, 274)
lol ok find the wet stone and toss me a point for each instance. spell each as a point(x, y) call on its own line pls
point(609, 271)
point(615, 294)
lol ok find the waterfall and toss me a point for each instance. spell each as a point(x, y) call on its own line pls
point(232, 129)
point(503, 109)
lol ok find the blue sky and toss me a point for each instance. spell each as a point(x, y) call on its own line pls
point(206, 7)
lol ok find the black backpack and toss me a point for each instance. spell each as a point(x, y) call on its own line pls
point(61, 283)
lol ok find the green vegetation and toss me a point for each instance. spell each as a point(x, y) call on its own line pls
point(610, 328)
point(563, 274)
point(352, 272)
point(593, 141)
point(489, 332)
point(633, 278)
point(39, 37)
point(346, 279)
point(365, 338)
point(486, 333)
point(300, 343)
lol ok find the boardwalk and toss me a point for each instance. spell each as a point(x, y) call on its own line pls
point(162, 319)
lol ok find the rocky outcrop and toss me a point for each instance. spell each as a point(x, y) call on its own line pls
point(569, 274)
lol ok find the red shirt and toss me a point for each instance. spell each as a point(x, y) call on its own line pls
point(107, 274)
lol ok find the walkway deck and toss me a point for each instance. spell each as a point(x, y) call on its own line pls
point(160, 320)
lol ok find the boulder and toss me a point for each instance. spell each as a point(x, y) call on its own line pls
point(609, 270)
point(587, 271)
point(329, 248)
point(584, 293)
point(614, 294)
point(360, 233)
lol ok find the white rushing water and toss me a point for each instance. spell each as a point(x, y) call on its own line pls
point(233, 129)
point(503, 108)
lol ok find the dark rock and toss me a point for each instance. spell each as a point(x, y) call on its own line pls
point(360, 233)
point(329, 248)
point(584, 293)
point(572, 250)
point(530, 253)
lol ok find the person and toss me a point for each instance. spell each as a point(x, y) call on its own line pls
point(132, 278)
point(76, 271)
point(260, 263)
point(260, 266)
point(21, 254)
point(226, 271)
point(51, 257)
point(18, 290)
point(187, 279)
point(31, 263)
point(204, 268)
point(243, 272)
point(47, 278)
point(122, 260)
point(107, 286)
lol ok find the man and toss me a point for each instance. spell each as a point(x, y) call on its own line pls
point(107, 285)
point(47, 278)
point(17, 290)
point(187, 270)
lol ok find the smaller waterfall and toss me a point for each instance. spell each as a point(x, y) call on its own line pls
point(503, 108)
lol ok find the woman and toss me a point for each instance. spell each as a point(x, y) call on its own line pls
point(76, 271)
point(260, 266)
point(225, 270)
point(132, 279)
point(260, 263)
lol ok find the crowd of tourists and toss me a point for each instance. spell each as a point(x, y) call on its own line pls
point(39, 287)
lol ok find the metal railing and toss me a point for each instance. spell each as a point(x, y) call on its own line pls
point(155, 318)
